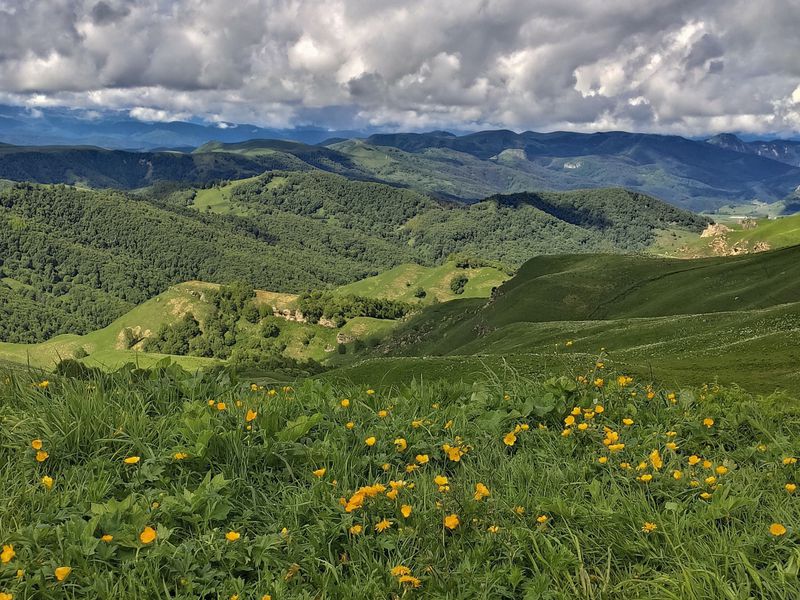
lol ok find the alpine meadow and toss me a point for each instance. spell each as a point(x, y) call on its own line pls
point(476, 299)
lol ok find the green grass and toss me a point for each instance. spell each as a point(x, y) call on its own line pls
point(217, 199)
point(402, 282)
point(257, 479)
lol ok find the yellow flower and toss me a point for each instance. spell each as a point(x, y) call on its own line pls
point(62, 573)
point(790, 487)
point(47, 482)
point(627, 422)
point(542, 519)
point(383, 414)
point(569, 420)
point(180, 455)
point(250, 416)
point(616, 447)
point(148, 535)
point(319, 472)
point(422, 459)
point(677, 475)
point(599, 382)
point(576, 410)
point(221, 406)
point(519, 510)
point(646, 477)
point(454, 453)
point(266, 597)
point(356, 529)
point(36, 444)
point(625, 465)
point(410, 580)
point(4, 596)
point(583, 427)
point(416, 424)
point(599, 409)
point(707, 464)
point(370, 392)
point(383, 525)
point(777, 529)
point(649, 527)
point(789, 460)
point(131, 460)
point(493, 529)
point(405, 510)
point(42, 456)
point(253, 387)
point(711, 480)
point(344, 403)
point(602, 460)
point(392, 494)
point(350, 425)
point(705, 496)
point(400, 444)
point(44, 384)
point(672, 446)
point(440, 480)
point(272, 393)
point(232, 536)
point(510, 439)
point(655, 459)
point(7, 554)
point(106, 538)
point(694, 459)
point(449, 424)
point(624, 381)
point(721, 470)
point(411, 468)
point(370, 441)
point(481, 492)
point(400, 570)
point(451, 521)
point(708, 422)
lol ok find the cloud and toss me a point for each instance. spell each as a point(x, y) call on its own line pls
point(682, 66)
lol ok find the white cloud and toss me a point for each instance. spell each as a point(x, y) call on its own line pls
point(675, 65)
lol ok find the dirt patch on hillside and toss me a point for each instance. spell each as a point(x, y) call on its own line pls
point(139, 333)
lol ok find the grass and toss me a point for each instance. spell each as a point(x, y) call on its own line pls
point(402, 282)
point(242, 487)
point(218, 199)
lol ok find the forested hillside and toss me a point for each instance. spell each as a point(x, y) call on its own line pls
point(85, 257)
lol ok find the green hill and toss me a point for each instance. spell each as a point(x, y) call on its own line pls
point(735, 318)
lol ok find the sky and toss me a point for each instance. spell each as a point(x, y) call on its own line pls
point(690, 67)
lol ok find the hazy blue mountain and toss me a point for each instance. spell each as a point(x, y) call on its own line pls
point(786, 151)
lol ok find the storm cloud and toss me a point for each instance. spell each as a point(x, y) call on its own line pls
point(682, 66)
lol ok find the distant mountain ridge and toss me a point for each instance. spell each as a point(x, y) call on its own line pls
point(786, 151)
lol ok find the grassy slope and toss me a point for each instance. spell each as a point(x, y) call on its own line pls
point(710, 538)
point(734, 318)
point(401, 282)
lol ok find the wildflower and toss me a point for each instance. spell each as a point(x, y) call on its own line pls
point(148, 535)
point(451, 521)
point(272, 393)
point(721, 470)
point(790, 487)
point(599, 409)
point(370, 441)
point(569, 420)
point(405, 510)
point(416, 424)
point(542, 519)
point(493, 529)
point(211, 403)
point(616, 447)
point(42, 456)
point(422, 459)
point(625, 465)
point(708, 422)
point(106, 538)
point(411, 468)
point(449, 424)
point(410, 580)
point(481, 492)
point(646, 478)
point(624, 381)
point(383, 525)
point(627, 422)
point(672, 446)
point(694, 459)
point(566, 432)
point(36, 444)
point(232, 536)
point(707, 464)
point(383, 414)
point(221, 406)
point(344, 403)
point(356, 529)
point(777, 529)
point(583, 427)
point(62, 573)
point(602, 460)
point(5, 596)
point(180, 455)
point(789, 460)
point(677, 475)
point(392, 494)
point(655, 459)
point(319, 472)
point(710, 480)
point(705, 496)
point(350, 425)
point(400, 570)
point(370, 392)
point(400, 444)
point(7, 554)
point(519, 510)
point(250, 416)
point(576, 410)
point(442, 482)
point(649, 527)
point(44, 384)
point(47, 482)
point(599, 382)
point(510, 439)
point(454, 453)
point(131, 460)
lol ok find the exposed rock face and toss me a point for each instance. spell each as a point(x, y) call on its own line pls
point(715, 229)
